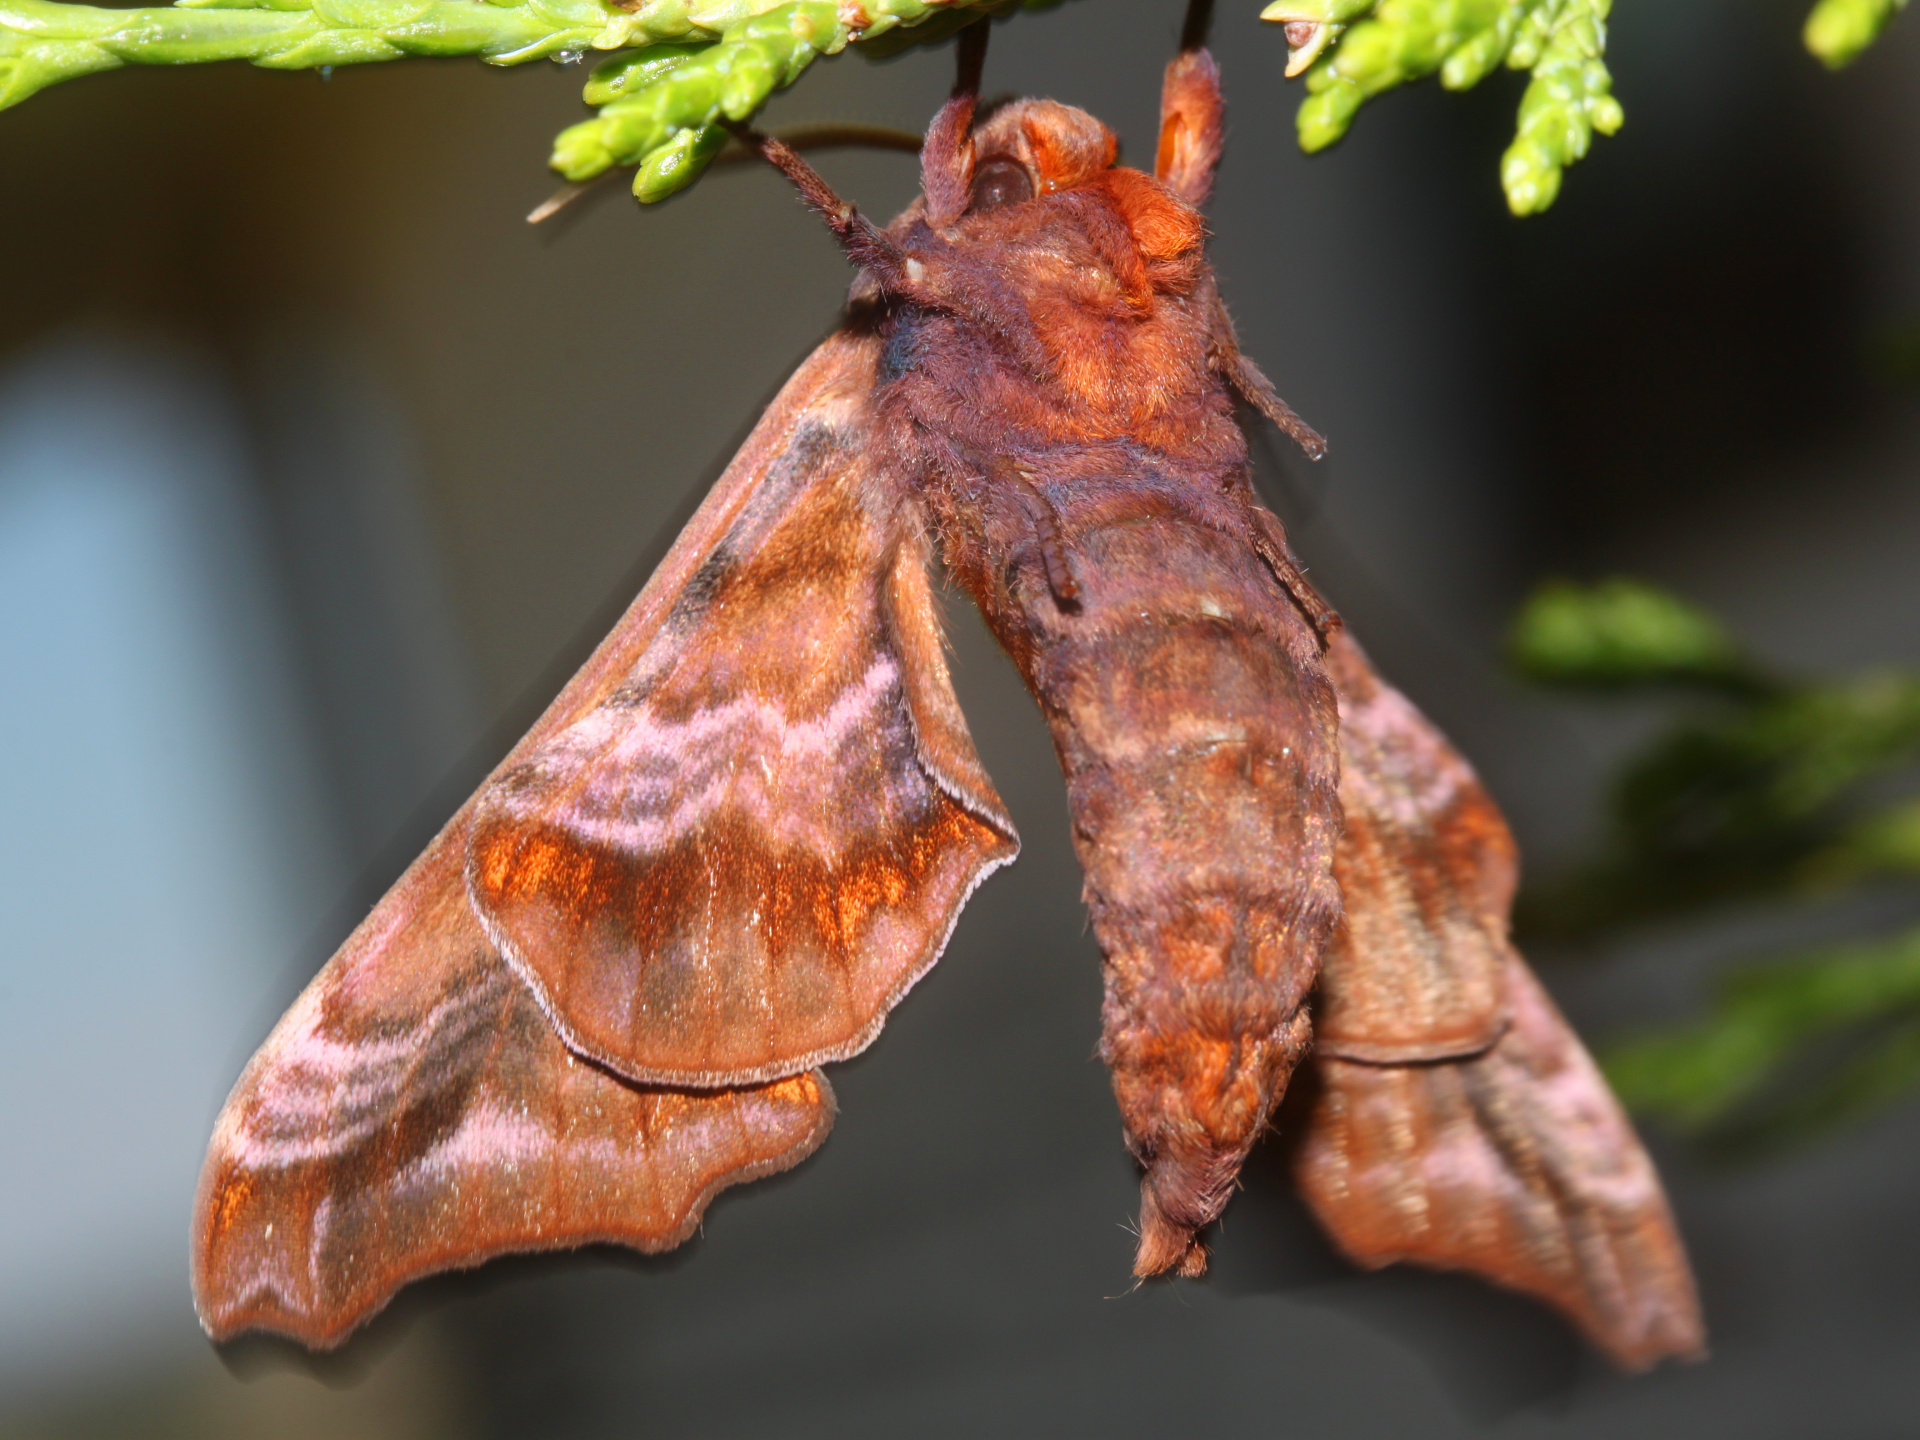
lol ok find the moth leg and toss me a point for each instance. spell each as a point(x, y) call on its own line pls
point(1053, 546)
point(1019, 479)
point(946, 158)
point(1270, 541)
point(1193, 29)
point(1251, 384)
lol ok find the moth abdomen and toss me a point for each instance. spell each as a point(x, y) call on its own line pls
point(1195, 726)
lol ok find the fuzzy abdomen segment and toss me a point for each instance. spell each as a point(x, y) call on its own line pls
point(1196, 727)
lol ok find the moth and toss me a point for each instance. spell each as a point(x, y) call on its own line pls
point(746, 828)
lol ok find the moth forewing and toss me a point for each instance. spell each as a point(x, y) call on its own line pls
point(418, 1110)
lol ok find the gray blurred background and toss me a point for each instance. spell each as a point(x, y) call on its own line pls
point(319, 470)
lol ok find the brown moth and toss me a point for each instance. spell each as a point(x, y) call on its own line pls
point(745, 829)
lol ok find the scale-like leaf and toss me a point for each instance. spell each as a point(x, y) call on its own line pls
point(1352, 50)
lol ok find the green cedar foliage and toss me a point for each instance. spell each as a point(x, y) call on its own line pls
point(679, 67)
point(1790, 1049)
point(660, 107)
point(1359, 49)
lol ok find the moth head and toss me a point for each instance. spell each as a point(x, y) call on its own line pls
point(1031, 150)
point(1037, 147)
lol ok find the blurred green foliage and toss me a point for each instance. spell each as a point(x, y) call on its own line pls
point(1622, 633)
point(1893, 356)
point(1789, 1050)
point(1838, 30)
point(1761, 786)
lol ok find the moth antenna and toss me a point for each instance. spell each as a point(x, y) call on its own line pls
point(866, 244)
point(970, 58)
point(830, 135)
point(834, 135)
point(561, 199)
point(946, 159)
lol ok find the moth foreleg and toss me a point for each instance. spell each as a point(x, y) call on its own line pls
point(1251, 383)
point(1192, 121)
point(1270, 541)
point(946, 159)
point(982, 474)
point(1053, 545)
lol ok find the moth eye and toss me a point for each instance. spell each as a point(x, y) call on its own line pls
point(1000, 182)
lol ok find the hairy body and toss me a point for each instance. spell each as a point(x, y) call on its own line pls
point(1071, 431)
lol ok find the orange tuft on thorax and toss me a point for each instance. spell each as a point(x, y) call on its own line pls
point(1069, 146)
point(1164, 226)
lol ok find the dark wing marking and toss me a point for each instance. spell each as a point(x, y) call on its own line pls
point(1508, 1158)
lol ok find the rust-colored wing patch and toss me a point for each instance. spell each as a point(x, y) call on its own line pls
point(739, 857)
point(414, 1112)
point(1490, 1143)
